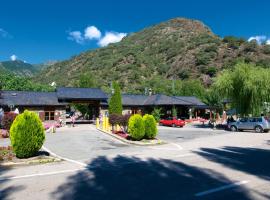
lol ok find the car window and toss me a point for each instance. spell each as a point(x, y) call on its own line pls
point(253, 120)
point(259, 119)
point(243, 120)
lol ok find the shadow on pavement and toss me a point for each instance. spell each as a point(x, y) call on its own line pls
point(249, 160)
point(6, 190)
point(125, 178)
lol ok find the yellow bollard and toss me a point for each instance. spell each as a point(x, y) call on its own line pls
point(107, 124)
point(117, 127)
point(104, 124)
point(97, 122)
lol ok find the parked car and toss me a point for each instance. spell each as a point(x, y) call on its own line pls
point(172, 121)
point(258, 124)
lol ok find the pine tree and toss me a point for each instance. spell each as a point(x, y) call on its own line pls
point(115, 103)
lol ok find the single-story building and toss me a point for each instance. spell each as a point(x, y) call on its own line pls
point(137, 103)
point(52, 106)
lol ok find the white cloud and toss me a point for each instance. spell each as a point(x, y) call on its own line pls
point(268, 41)
point(92, 32)
point(13, 57)
point(76, 36)
point(111, 37)
point(259, 38)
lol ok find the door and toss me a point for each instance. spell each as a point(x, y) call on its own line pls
point(243, 123)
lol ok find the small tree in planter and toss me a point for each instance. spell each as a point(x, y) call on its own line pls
point(115, 102)
point(27, 134)
point(114, 119)
point(136, 127)
point(124, 122)
point(150, 126)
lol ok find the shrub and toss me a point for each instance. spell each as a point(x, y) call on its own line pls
point(26, 134)
point(156, 114)
point(124, 121)
point(8, 120)
point(136, 127)
point(115, 119)
point(150, 126)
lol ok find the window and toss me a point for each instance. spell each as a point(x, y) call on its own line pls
point(49, 115)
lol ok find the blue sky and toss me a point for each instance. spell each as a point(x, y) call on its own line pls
point(41, 30)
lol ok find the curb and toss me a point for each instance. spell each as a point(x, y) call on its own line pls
point(138, 143)
point(50, 159)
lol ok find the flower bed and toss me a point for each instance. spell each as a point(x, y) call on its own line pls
point(122, 134)
point(8, 157)
point(4, 133)
point(6, 154)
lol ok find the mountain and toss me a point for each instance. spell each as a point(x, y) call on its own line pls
point(22, 68)
point(18, 67)
point(178, 49)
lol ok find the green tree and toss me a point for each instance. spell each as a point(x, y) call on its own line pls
point(86, 80)
point(174, 112)
point(157, 114)
point(247, 85)
point(27, 134)
point(193, 88)
point(115, 102)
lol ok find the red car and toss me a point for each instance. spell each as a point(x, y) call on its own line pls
point(172, 121)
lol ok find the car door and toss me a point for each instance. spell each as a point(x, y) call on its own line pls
point(242, 123)
point(250, 123)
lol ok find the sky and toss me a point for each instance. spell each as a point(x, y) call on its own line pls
point(38, 31)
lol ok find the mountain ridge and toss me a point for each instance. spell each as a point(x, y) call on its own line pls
point(177, 49)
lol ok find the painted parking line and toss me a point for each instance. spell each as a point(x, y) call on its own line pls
point(40, 174)
point(225, 187)
point(63, 158)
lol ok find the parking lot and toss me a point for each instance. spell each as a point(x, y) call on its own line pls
point(189, 132)
point(195, 163)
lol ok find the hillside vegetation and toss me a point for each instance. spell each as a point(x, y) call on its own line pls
point(165, 57)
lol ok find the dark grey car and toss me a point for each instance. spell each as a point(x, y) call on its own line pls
point(258, 124)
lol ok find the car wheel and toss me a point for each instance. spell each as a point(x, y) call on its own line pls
point(173, 125)
point(233, 128)
point(258, 129)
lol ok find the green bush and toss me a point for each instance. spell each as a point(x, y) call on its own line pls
point(150, 126)
point(27, 134)
point(156, 114)
point(136, 127)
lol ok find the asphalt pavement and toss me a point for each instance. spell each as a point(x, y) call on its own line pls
point(206, 164)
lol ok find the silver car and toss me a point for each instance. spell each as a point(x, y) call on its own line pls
point(258, 124)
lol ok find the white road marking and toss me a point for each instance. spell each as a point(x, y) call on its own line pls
point(225, 187)
point(177, 145)
point(63, 158)
point(184, 155)
point(40, 174)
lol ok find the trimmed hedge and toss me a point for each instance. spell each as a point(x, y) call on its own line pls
point(136, 127)
point(27, 134)
point(150, 126)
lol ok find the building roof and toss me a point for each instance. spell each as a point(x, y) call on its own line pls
point(191, 99)
point(133, 99)
point(160, 99)
point(69, 93)
point(26, 98)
